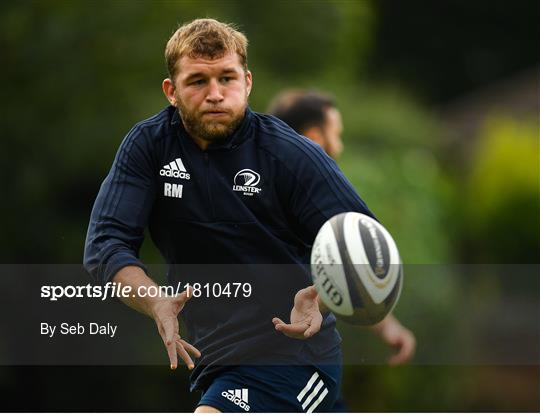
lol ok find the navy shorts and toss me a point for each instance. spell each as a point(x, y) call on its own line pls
point(274, 388)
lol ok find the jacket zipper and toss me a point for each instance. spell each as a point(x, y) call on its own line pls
point(207, 162)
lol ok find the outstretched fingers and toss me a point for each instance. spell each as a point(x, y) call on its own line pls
point(294, 330)
point(184, 355)
point(167, 322)
point(184, 349)
point(171, 351)
point(167, 331)
point(278, 324)
point(190, 348)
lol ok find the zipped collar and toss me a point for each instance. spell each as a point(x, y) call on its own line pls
point(241, 134)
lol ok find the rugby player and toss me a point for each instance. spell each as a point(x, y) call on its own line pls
point(315, 115)
point(217, 183)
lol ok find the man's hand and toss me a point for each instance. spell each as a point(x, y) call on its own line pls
point(397, 336)
point(306, 318)
point(165, 312)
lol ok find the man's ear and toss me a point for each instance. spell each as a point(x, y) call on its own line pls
point(249, 82)
point(315, 134)
point(168, 89)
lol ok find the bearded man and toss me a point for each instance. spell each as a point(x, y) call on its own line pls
point(217, 183)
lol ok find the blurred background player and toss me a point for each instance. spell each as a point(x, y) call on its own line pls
point(315, 115)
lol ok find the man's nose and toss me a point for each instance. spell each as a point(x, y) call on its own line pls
point(214, 91)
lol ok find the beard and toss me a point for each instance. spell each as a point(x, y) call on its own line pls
point(211, 130)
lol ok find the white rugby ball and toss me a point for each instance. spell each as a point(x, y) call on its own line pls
point(356, 268)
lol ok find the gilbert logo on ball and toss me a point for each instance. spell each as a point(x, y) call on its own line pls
point(356, 268)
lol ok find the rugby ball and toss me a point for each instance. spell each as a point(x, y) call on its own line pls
point(356, 268)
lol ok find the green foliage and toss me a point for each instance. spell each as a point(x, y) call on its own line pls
point(502, 193)
point(79, 75)
point(391, 158)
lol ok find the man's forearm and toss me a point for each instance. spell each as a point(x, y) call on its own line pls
point(135, 277)
point(379, 327)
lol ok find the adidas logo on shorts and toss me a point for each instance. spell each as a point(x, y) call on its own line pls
point(238, 397)
point(311, 396)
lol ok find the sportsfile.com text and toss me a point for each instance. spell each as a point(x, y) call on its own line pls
point(117, 290)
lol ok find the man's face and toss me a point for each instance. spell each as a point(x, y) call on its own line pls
point(212, 95)
point(332, 129)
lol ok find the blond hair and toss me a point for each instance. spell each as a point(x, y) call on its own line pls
point(206, 38)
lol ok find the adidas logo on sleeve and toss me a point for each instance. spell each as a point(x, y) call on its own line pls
point(175, 169)
point(238, 397)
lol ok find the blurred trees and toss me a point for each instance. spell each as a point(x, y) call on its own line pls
point(502, 194)
point(80, 74)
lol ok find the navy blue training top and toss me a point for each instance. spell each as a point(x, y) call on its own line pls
point(252, 204)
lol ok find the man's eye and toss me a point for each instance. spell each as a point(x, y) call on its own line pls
point(226, 79)
point(198, 82)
